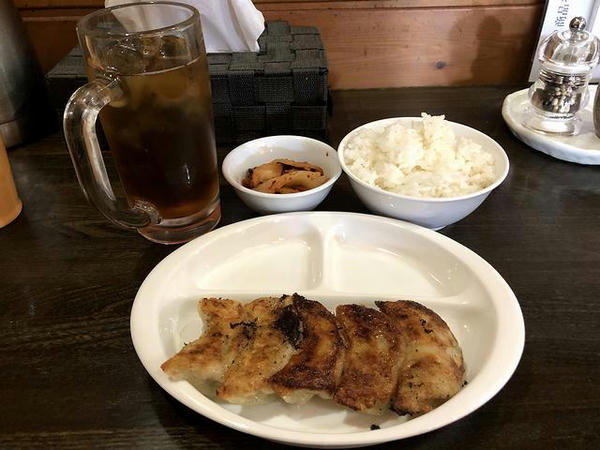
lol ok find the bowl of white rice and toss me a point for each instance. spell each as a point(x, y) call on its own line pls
point(424, 170)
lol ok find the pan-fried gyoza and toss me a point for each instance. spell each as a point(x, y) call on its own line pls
point(401, 356)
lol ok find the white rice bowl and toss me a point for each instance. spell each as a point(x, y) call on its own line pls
point(426, 160)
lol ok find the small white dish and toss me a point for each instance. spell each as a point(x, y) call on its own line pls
point(434, 213)
point(583, 148)
point(263, 150)
point(335, 258)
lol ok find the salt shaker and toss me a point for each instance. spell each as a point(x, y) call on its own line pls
point(561, 90)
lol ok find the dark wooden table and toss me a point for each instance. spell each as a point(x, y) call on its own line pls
point(69, 376)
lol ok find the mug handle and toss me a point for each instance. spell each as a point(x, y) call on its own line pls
point(79, 124)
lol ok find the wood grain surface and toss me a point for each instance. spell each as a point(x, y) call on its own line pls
point(70, 376)
point(369, 43)
point(423, 46)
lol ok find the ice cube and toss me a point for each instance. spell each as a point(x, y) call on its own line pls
point(150, 47)
point(124, 58)
point(173, 52)
point(173, 47)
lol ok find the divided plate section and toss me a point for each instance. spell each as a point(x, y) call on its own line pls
point(389, 262)
point(369, 262)
point(282, 256)
point(279, 258)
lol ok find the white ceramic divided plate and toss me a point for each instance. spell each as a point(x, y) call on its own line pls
point(334, 258)
point(583, 148)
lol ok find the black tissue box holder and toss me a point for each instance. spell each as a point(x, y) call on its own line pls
point(282, 89)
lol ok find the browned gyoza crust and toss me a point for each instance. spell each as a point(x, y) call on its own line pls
point(365, 359)
point(274, 341)
point(370, 372)
point(207, 358)
point(433, 369)
point(316, 368)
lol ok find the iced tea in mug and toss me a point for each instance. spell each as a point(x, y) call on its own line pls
point(150, 87)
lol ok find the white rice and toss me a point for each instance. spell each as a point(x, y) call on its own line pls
point(424, 161)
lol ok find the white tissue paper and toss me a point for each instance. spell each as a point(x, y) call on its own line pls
point(227, 25)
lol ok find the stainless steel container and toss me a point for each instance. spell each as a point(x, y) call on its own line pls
point(24, 111)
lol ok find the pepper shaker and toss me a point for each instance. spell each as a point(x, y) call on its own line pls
point(560, 93)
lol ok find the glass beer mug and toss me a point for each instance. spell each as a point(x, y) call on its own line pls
point(150, 85)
